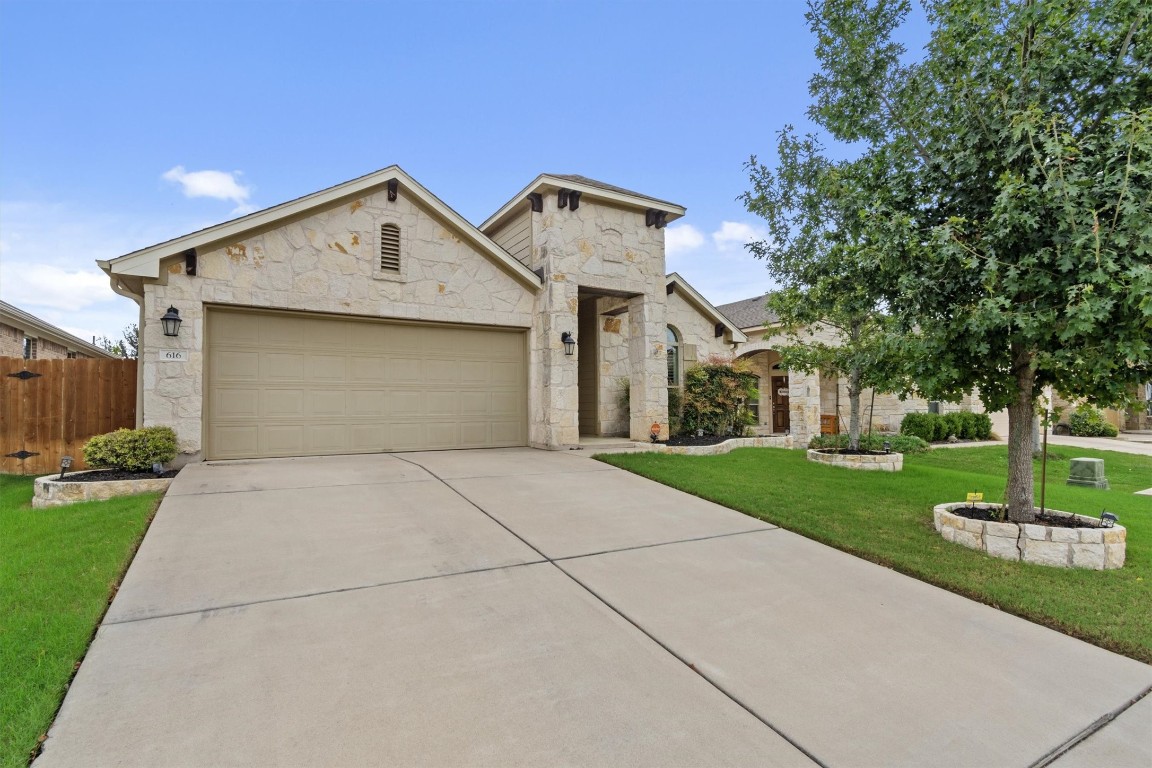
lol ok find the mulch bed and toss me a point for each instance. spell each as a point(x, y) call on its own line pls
point(993, 515)
point(115, 474)
point(693, 440)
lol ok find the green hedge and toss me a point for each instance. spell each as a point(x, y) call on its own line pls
point(873, 442)
point(935, 427)
point(1089, 422)
point(132, 450)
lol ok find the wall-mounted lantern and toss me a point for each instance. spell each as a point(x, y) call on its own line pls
point(569, 342)
point(171, 322)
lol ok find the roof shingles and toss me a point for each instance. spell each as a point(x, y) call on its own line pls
point(749, 313)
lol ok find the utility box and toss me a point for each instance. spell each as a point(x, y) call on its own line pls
point(1088, 472)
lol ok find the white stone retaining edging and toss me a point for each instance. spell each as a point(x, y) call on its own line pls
point(883, 462)
point(783, 441)
point(51, 491)
point(1095, 548)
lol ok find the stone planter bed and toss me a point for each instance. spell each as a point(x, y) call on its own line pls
point(1091, 547)
point(51, 491)
point(882, 462)
point(731, 444)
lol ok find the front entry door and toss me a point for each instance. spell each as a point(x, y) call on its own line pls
point(780, 422)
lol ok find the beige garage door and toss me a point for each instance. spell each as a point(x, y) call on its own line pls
point(293, 384)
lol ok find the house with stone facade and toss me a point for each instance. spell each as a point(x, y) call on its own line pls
point(24, 335)
point(372, 317)
point(798, 403)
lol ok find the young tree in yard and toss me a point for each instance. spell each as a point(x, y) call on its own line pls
point(1009, 176)
point(127, 347)
point(818, 252)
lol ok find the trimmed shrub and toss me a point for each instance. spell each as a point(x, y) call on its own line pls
point(131, 450)
point(981, 426)
point(715, 397)
point(951, 424)
point(1086, 421)
point(921, 425)
point(873, 442)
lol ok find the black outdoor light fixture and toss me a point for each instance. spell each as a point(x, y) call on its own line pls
point(171, 322)
point(65, 463)
point(569, 342)
point(1107, 519)
point(887, 447)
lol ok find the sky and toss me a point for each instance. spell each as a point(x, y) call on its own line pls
point(123, 124)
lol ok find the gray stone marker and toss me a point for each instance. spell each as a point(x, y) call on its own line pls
point(1088, 472)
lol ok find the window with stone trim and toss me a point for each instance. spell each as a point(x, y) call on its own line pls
point(674, 363)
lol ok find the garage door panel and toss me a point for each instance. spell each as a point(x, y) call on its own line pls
point(283, 384)
point(281, 439)
point(402, 404)
point(240, 365)
point(282, 404)
point(404, 370)
point(236, 403)
point(281, 366)
point(365, 403)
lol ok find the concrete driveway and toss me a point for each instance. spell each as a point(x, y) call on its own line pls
point(520, 607)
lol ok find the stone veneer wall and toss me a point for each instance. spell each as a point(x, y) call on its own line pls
point(601, 248)
point(326, 262)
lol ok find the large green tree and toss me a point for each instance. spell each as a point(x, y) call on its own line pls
point(1009, 170)
point(819, 254)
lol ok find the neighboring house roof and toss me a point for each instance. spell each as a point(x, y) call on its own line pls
point(750, 313)
point(146, 262)
point(703, 306)
point(37, 328)
point(595, 190)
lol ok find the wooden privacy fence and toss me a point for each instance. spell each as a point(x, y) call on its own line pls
point(49, 409)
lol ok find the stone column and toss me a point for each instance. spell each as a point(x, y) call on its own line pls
point(803, 407)
point(555, 420)
point(648, 366)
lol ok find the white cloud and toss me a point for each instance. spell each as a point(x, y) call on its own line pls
point(733, 235)
point(219, 185)
point(43, 285)
point(719, 266)
point(682, 238)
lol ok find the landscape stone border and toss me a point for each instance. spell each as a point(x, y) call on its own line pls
point(778, 441)
point(882, 462)
point(1095, 548)
point(51, 491)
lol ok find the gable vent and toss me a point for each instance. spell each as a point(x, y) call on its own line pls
point(389, 248)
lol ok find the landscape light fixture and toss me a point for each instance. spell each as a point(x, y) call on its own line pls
point(1107, 519)
point(569, 342)
point(887, 447)
point(171, 322)
point(65, 463)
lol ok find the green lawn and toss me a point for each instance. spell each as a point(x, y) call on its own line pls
point(58, 570)
point(887, 518)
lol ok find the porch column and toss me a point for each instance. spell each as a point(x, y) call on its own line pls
point(648, 366)
point(803, 406)
point(554, 422)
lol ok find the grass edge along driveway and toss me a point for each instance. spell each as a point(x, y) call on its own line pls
point(59, 569)
point(886, 518)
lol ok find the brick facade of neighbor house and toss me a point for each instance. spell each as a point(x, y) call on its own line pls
point(47, 341)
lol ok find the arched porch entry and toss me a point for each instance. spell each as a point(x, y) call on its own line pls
point(773, 413)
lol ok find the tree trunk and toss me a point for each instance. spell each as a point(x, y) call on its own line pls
point(1019, 493)
point(854, 409)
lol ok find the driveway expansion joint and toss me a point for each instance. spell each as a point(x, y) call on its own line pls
point(1098, 725)
point(556, 564)
point(320, 593)
point(665, 543)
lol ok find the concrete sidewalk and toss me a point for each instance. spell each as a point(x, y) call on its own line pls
point(520, 607)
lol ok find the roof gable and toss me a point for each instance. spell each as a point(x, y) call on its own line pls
point(146, 262)
point(750, 313)
point(591, 190)
point(19, 319)
point(702, 305)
